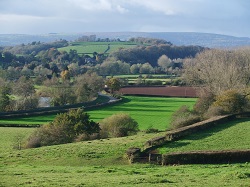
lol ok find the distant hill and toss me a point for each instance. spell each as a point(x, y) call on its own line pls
point(177, 38)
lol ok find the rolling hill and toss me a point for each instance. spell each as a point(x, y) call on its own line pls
point(177, 38)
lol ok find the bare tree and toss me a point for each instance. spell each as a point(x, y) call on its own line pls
point(87, 86)
point(219, 70)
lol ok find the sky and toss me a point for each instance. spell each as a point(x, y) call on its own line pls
point(229, 17)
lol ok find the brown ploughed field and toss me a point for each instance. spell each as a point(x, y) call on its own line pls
point(169, 91)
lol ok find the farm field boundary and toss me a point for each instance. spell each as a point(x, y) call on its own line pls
point(147, 154)
point(207, 157)
point(101, 101)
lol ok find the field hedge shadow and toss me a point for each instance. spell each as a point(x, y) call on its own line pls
point(96, 104)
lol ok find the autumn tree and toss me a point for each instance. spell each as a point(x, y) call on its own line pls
point(114, 84)
point(65, 75)
point(231, 101)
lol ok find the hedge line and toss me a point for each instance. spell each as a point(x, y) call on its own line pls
point(207, 157)
point(20, 125)
point(55, 110)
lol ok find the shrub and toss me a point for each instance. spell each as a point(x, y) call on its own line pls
point(118, 125)
point(150, 129)
point(63, 129)
point(33, 141)
point(183, 117)
point(86, 137)
point(214, 111)
point(204, 102)
point(231, 101)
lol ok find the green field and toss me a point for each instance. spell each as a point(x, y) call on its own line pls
point(229, 136)
point(132, 79)
point(34, 120)
point(102, 163)
point(9, 137)
point(99, 47)
point(152, 112)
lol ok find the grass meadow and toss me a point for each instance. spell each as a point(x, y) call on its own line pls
point(102, 163)
point(152, 112)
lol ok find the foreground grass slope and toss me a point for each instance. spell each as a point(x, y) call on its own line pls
point(136, 175)
point(102, 163)
point(229, 136)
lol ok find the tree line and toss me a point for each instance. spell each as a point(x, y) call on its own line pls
point(22, 94)
point(222, 79)
point(44, 58)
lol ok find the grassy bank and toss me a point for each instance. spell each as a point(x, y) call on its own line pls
point(229, 136)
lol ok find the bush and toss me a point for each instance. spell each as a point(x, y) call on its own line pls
point(183, 117)
point(150, 129)
point(118, 125)
point(204, 102)
point(64, 129)
point(231, 101)
point(87, 137)
point(214, 111)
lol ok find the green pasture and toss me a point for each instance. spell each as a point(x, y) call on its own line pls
point(102, 163)
point(32, 120)
point(132, 79)
point(152, 112)
point(229, 136)
point(9, 137)
point(99, 47)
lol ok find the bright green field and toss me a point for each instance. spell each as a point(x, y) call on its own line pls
point(99, 47)
point(101, 163)
point(229, 136)
point(36, 120)
point(147, 111)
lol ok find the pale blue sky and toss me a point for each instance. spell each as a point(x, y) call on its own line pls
point(230, 17)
